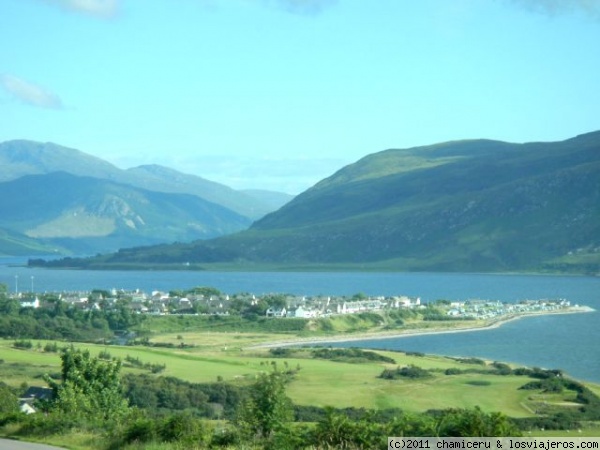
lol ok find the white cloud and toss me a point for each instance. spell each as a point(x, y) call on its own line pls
point(97, 8)
point(30, 93)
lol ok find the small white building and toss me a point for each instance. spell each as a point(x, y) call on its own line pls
point(30, 303)
point(303, 313)
point(275, 312)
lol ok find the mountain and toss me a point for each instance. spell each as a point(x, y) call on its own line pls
point(15, 244)
point(274, 200)
point(203, 208)
point(21, 157)
point(86, 214)
point(163, 179)
point(473, 205)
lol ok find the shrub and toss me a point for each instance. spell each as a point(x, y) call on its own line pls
point(54, 423)
point(282, 352)
point(410, 371)
point(478, 382)
point(182, 427)
point(478, 361)
point(502, 368)
point(105, 355)
point(350, 355)
point(25, 345)
point(51, 347)
point(140, 431)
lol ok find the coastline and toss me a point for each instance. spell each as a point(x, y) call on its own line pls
point(485, 325)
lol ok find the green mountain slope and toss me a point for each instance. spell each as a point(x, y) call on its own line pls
point(21, 157)
point(475, 205)
point(15, 244)
point(87, 214)
point(163, 179)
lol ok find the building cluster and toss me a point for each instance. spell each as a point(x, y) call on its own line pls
point(309, 307)
point(270, 305)
point(486, 309)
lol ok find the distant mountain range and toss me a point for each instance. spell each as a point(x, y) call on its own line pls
point(473, 205)
point(60, 200)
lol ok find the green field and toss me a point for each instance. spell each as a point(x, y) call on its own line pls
point(318, 382)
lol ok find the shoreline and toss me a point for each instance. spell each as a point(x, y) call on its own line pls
point(369, 336)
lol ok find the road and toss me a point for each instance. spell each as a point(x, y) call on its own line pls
point(7, 444)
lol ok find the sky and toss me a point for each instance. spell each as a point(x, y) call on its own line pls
point(279, 94)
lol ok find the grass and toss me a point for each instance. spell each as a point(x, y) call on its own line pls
point(344, 385)
point(206, 340)
point(318, 382)
point(230, 356)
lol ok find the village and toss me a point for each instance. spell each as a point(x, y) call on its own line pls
point(209, 301)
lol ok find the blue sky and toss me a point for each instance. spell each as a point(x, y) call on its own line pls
point(278, 94)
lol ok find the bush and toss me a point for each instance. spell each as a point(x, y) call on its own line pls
point(140, 431)
point(350, 355)
point(41, 425)
point(478, 361)
point(478, 382)
point(532, 386)
point(282, 352)
point(502, 368)
point(182, 427)
point(9, 418)
point(25, 345)
point(405, 372)
point(8, 399)
point(105, 355)
point(51, 347)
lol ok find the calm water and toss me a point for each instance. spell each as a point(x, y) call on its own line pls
point(569, 342)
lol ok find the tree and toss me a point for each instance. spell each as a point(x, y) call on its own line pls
point(89, 387)
point(276, 301)
point(206, 291)
point(9, 306)
point(267, 409)
point(475, 423)
point(9, 403)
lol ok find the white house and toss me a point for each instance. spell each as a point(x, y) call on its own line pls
point(273, 312)
point(26, 408)
point(303, 313)
point(30, 303)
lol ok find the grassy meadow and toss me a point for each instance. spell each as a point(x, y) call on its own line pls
point(230, 357)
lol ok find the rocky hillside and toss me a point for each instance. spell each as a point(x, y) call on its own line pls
point(87, 214)
point(61, 200)
point(20, 157)
point(476, 205)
